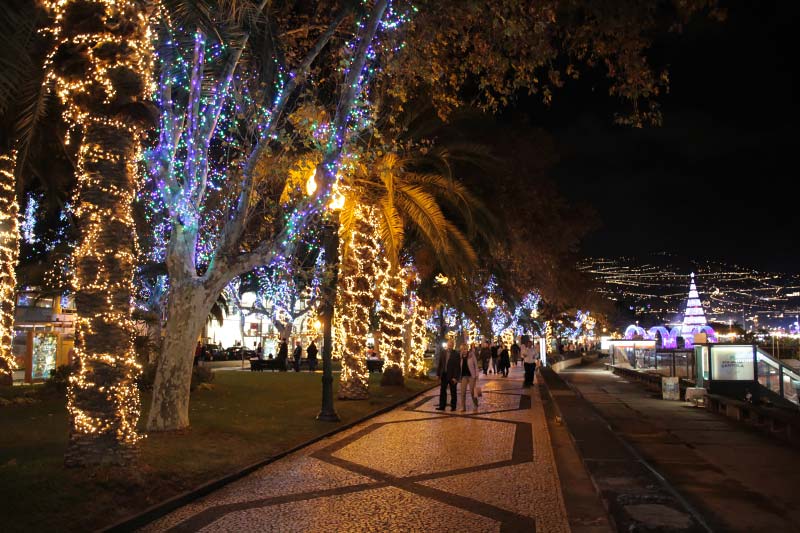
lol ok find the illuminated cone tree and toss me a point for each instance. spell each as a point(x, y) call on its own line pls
point(99, 68)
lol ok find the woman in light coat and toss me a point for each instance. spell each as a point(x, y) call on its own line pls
point(469, 376)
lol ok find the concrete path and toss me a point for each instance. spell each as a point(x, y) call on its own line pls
point(412, 469)
point(737, 478)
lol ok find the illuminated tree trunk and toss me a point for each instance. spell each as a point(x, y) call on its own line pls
point(99, 68)
point(416, 334)
point(103, 400)
point(354, 299)
point(392, 320)
point(9, 251)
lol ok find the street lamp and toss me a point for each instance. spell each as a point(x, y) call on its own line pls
point(330, 243)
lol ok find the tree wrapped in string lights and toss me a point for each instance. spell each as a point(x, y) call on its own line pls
point(9, 250)
point(220, 178)
point(100, 68)
point(355, 297)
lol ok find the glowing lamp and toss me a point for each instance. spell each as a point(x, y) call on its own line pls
point(337, 201)
point(311, 184)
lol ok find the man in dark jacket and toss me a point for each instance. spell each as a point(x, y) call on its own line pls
point(283, 355)
point(311, 351)
point(449, 372)
point(298, 353)
point(485, 356)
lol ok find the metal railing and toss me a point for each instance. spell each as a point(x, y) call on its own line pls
point(775, 376)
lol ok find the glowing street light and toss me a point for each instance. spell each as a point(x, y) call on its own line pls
point(311, 184)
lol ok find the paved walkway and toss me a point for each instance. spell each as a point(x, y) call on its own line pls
point(412, 469)
point(737, 478)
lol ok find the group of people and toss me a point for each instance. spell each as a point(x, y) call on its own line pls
point(462, 367)
point(297, 355)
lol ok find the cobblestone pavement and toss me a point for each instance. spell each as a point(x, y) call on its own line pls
point(412, 469)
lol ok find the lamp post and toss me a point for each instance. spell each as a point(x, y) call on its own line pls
point(330, 242)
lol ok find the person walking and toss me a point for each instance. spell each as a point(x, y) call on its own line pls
point(449, 372)
point(486, 356)
point(298, 353)
point(469, 376)
point(495, 348)
point(504, 361)
point(515, 353)
point(283, 355)
point(260, 352)
point(529, 362)
point(311, 353)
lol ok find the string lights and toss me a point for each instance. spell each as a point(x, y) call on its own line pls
point(355, 297)
point(392, 289)
point(9, 251)
point(102, 399)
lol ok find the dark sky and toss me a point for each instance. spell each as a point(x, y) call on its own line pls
point(718, 180)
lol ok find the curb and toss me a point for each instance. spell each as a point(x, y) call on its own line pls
point(159, 510)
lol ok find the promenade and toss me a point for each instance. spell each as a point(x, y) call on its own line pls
point(734, 477)
point(412, 469)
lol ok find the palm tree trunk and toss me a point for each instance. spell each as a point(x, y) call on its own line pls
point(354, 299)
point(392, 293)
point(9, 251)
point(417, 332)
point(103, 400)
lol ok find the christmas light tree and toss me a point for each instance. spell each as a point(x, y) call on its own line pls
point(694, 319)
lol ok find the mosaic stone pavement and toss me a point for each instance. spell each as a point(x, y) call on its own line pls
point(413, 469)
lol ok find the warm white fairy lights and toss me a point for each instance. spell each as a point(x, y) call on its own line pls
point(414, 362)
point(9, 250)
point(392, 289)
point(359, 252)
point(116, 65)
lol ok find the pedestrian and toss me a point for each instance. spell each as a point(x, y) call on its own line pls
point(198, 352)
point(515, 353)
point(311, 353)
point(449, 372)
point(298, 353)
point(469, 376)
point(485, 356)
point(504, 361)
point(529, 363)
point(494, 349)
point(283, 355)
point(259, 351)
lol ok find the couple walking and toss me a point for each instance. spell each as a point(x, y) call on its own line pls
point(454, 367)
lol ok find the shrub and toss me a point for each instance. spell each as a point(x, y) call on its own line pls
point(59, 378)
point(201, 374)
point(392, 377)
point(147, 377)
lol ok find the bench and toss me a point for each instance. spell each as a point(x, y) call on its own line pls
point(774, 420)
point(259, 365)
point(375, 365)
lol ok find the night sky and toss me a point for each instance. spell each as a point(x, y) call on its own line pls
point(718, 179)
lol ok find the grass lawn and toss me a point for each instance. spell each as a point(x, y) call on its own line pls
point(243, 417)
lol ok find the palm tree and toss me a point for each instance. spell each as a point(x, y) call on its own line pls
point(22, 106)
point(99, 68)
point(418, 193)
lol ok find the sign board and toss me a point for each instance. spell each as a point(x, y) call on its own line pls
point(670, 388)
point(732, 363)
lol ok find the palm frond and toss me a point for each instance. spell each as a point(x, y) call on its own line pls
point(422, 211)
point(390, 229)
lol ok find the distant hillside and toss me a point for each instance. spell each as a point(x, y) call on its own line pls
point(655, 288)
